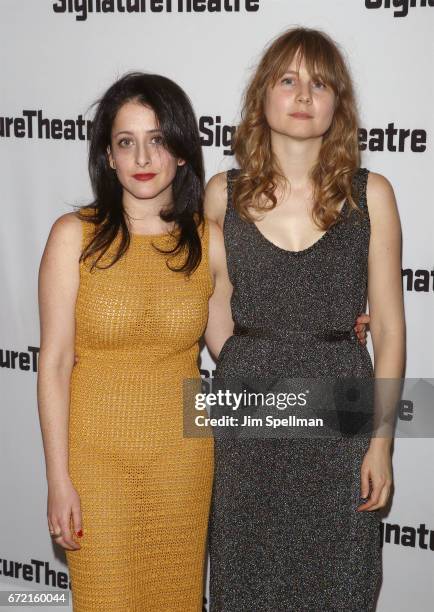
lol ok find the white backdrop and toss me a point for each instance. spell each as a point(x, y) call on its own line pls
point(57, 58)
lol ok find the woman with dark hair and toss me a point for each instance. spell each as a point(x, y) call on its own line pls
point(125, 285)
point(309, 236)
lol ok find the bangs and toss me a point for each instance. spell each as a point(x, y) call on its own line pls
point(322, 61)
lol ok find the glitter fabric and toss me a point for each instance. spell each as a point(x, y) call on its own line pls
point(284, 531)
point(145, 490)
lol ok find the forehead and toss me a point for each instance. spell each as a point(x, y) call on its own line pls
point(297, 64)
point(300, 63)
point(134, 115)
point(306, 65)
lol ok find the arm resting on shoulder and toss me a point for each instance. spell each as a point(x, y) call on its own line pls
point(216, 198)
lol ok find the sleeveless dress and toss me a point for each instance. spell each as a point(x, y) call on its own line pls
point(284, 532)
point(145, 491)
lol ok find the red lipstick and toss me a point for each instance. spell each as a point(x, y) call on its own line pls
point(144, 177)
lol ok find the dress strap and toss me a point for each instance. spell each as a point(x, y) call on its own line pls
point(360, 182)
point(231, 175)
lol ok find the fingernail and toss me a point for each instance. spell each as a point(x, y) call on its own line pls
point(80, 533)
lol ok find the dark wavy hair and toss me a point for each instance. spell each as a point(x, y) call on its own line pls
point(179, 128)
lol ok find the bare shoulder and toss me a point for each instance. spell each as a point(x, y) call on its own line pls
point(217, 184)
point(67, 225)
point(381, 201)
point(216, 198)
point(65, 235)
point(379, 193)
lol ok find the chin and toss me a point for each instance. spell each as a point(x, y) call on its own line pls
point(142, 193)
point(148, 189)
point(146, 194)
point(304, 132)
point(300, 134)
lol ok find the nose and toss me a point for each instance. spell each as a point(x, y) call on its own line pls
point(304, 93)
point(143, 156)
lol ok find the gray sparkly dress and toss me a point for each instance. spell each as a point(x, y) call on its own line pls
point(284, 532)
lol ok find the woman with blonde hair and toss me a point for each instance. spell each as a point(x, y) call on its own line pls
point(309, 235)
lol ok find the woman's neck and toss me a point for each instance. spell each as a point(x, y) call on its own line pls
point(143, 215)
point(295, 157)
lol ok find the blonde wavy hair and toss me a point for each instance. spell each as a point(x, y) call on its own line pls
point(339, 158)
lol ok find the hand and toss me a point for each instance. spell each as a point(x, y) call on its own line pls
point(376, 473)
point(360, 327)
point(64, 504)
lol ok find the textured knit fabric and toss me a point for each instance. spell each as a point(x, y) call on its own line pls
point(145, 490)
point(284, 534)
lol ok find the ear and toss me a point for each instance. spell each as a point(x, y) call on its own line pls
point(110, 158)
point(181, 162)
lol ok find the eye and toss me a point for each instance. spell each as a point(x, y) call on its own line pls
point(319, 84)
point(158, 140)
point(125, 142)
point(287, 81)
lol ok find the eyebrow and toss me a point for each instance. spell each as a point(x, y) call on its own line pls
point(313, 76)
point(153, 131)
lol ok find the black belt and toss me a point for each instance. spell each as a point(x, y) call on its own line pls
point(331, 335)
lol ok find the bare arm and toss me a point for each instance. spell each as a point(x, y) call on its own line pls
point(216, 199)
point(220, 324)
point(58, 287)
point(386, 307)
point(386, 304)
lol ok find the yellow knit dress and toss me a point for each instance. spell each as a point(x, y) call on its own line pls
point(145, 490)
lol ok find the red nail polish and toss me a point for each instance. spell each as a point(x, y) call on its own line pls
point(80, 533)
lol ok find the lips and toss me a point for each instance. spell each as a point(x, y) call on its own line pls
point(301, 115)
point(144, 177)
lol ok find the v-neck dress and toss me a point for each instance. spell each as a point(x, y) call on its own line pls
point(284, 531)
